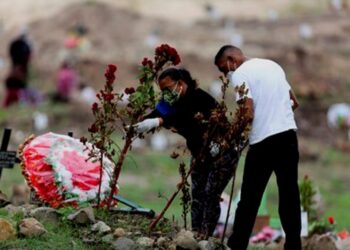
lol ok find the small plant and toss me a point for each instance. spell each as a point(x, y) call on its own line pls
point(186, 196)
point(109, 115)
point(307, 193)
point(323, 226)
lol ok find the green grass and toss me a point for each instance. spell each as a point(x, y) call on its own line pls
point(62, 236)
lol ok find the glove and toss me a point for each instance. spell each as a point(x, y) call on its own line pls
point(214, 149)
point(146, 125)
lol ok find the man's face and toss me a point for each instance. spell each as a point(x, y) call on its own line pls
point(225, 65)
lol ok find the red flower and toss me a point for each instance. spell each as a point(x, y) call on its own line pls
point(145, 61)
point(176, 59)
point(83, 140)
point(94, 107)
point(129, 91)
point(166, 53)
point(331, 220)
point(112, 68)
point(93, 128)
point(142, 79)
point(110, 77)
point(109, 74)
point(108, 96)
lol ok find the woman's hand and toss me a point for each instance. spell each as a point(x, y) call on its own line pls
point(214, 149)
point(147, 125)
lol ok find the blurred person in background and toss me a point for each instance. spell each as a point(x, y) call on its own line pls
point(66, 83)
point(17, 79)
point(273, 144)
point(181, 102)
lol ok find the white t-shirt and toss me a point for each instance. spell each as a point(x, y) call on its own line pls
point(268, 87)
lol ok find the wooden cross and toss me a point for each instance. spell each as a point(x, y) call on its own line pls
point(7, 158)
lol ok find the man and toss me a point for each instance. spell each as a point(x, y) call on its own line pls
point(273, 145)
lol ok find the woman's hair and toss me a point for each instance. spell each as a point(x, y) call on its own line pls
point(179, 74)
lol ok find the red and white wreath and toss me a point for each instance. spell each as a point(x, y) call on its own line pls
point(60, 171)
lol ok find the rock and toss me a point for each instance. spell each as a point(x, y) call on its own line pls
point(83, 216)
point(172, 246)
point(145, 242)
point(4, 201)
point(203, 244)
point(30, 227)
point(123, 243)
point(28, 208)
point(185, 239)
point(137, 233)
point(161, 242)
point(119, 232)
point(7, 232)
point(345, 244)
point(325, 241)
point(20, 194)
point(108, 238)
point(101, 227)
point(45, 214)
point(12, 210)
point(210, 245)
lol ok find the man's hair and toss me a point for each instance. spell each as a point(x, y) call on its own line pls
point(222, 51)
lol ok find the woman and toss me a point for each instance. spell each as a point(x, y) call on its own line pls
point(181, 106)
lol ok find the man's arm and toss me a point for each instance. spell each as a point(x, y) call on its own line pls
point(295, 103)
point(247, 111)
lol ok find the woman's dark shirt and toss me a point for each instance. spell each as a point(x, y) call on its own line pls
point(183, 119)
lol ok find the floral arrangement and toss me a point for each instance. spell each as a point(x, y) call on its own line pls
point(58, 169)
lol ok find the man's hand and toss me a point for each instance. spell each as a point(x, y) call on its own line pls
point(146, 125)
point(294, 101)
point(214, 149)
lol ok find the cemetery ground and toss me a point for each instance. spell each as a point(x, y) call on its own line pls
point(320, 80)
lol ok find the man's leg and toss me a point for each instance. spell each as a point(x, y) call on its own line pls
point(219, 176)
point(289, 198)
point(256, 174)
